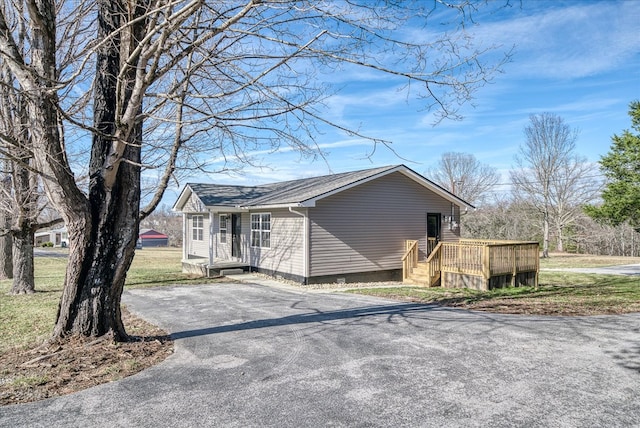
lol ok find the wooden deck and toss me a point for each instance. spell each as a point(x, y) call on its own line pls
point(472, 263)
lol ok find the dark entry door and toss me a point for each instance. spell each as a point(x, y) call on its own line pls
point(236, 231)
point(433, 231)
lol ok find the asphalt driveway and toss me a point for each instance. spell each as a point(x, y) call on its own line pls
point(254, 356)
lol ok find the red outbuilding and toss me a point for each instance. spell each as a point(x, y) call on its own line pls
point(152, 238)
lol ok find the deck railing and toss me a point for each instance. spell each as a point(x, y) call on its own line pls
point(431, 245)
point(409, 258)
point(434, 263)
point(488, 261)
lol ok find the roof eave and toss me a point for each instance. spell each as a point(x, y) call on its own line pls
point(182, 199)
point(276, 206)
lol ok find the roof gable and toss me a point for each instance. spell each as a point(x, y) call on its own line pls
point(302, 192)
point(151, 233)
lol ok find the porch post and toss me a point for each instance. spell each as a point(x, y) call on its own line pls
point(184, 236)
point(211, 240)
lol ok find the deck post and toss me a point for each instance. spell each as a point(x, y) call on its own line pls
point(409, 259)
point(486, 265)
point(514, 264)
point(537, 266)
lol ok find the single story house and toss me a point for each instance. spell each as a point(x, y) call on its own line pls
point(58, 237)
point(343, 227)
point(152, 238)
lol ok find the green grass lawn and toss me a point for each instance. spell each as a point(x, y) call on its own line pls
point(26, 319)
point(559, 293)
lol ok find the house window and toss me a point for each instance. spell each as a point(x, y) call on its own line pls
point(261, 230)
point(223, 229)
point(198, 228)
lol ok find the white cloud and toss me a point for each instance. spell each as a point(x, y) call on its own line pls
point(568, 42)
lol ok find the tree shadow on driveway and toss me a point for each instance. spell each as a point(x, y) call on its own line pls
point(627, 358)
point(314, 317)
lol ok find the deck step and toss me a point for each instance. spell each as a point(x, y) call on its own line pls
point(420, 275)
point(227, 272)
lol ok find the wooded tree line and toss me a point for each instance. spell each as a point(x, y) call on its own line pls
point(556, 197)
point(512, 220)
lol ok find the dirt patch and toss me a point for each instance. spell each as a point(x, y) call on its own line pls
point(62, 368)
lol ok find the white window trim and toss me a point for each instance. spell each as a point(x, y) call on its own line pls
point(222, 231)
point(260, 230)
point(197, 231)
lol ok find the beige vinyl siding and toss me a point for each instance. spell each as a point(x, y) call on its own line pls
point(198, 248)
point(286, 253)
point(363, 229)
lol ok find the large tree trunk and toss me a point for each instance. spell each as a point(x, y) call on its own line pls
point(90, 305)
point(23, 279)
point(25, 187)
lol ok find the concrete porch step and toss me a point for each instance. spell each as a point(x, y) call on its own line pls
point(233, 271)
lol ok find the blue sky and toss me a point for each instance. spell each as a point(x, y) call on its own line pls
point(577, 59)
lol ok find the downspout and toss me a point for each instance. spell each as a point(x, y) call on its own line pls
point(305, 244)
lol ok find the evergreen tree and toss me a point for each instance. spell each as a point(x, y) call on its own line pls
point(621, 167)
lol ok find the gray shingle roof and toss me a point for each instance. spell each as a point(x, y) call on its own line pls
point(280, 193)
point(226, 195)
point(296, 192)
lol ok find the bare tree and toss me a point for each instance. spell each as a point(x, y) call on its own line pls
point(166, 221)
point(224, 78)
point(502, 218)
point(549, 175)
point(22, 203)
point(6, 243)
point(514, 219)
point(572, 188)
point(589, 236)
point(21, 194)
point(464, 175)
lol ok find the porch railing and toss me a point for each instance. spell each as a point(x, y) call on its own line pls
point(490, 262)
point(434, 264)
point(409, 258)
point(431, 245)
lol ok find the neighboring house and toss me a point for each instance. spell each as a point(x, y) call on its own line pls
point(152, 238)
point(58, 237)
point(336, 228)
